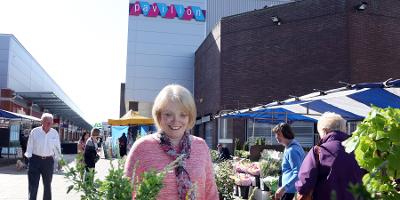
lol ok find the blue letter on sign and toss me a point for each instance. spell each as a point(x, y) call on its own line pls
point(145, 7)
point(163, 9)
point(198, 13)
point(180, 10)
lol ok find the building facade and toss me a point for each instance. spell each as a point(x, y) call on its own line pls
point(217, 9)
point(162, 38)
point(27, 89)
point(265, 55)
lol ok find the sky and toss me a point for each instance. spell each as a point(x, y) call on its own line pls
point(81, 44)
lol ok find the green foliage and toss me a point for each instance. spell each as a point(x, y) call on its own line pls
point(237, 145)
point(81, 181)
point(246, 146)
point(242, 154)
point(376, 144)
point(260, 141)
point(214, 155)
point(116, 185)
point(270, 167)
point(222, 178)
point(150, 185)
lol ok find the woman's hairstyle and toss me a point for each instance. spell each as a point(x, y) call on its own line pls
point(286, 130)
point(177, 94)
point(83, 136)
point(332, 122)
point(95, 132)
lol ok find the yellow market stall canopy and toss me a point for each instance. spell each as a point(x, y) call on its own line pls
point(131, 118)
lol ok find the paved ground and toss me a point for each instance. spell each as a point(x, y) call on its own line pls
point(14, 184)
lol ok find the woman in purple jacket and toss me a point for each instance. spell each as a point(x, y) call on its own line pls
point(327, 170)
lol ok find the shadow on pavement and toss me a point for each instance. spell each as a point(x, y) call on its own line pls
point(8, 165)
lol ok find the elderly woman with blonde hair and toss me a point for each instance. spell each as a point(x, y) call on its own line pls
point(174, 113)
point(327, 170)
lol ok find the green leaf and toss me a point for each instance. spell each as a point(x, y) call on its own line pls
point(70, 188)
point(351, 143)
point(383, 144)
point(394, 161)
point(381, 134)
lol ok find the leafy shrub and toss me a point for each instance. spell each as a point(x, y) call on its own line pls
point(376, 144)
point(116, 185)
point(214, 155)
point(223, 179)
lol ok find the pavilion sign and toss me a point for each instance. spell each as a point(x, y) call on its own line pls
point(169, 12)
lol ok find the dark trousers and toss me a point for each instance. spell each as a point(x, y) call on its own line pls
point(288, 196)
point(39, 166)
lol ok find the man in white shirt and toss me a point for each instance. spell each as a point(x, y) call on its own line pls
point(43, 146)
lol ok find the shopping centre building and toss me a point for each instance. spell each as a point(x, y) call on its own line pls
point(265, 55)
point(163, 36)
point(28, 90)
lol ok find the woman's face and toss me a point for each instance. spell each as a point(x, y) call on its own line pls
point(279, 137)
point(86, 136)
point(173, 120)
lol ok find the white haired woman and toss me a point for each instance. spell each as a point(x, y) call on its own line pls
point(327, 168)
point(174, 113)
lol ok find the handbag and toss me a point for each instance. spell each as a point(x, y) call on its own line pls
point(309, 195)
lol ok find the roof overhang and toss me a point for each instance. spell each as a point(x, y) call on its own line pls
point(55, 105)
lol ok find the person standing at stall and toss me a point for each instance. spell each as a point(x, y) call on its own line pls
point(292, 158)
point(43, 146)
point(123, 140)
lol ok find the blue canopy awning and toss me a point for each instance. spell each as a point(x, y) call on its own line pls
point(352, 103)
point(11, 115)
point(8, 115)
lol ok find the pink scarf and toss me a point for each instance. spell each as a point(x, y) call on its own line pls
point(182, 176)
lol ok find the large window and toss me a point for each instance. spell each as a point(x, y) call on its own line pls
point(208, 135)
point(225, 131)
point(304, 132)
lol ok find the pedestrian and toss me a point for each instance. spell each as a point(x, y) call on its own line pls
point(82, 142)
point(123, 140)
point(223, 153)
point(327, 168)
point(91, 155)
point(174, 113)
point(293, 156)
point(43, 146)
point(23, 141)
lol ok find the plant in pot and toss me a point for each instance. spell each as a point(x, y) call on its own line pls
point(257, 148)
point(269, 167)
point(254, 169)
point(214, 155)
point(243, 181)
point(271, 182)
point(225, 183)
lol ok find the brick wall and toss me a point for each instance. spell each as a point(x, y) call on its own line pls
point(375, 41)
point(318, 43)
point(207, 83)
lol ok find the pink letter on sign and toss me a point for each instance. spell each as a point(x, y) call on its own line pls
point(135, 9)
point(171, 13)
point(153, 10)
point(188, 13)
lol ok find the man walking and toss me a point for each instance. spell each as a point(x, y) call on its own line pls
point(43, 146)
